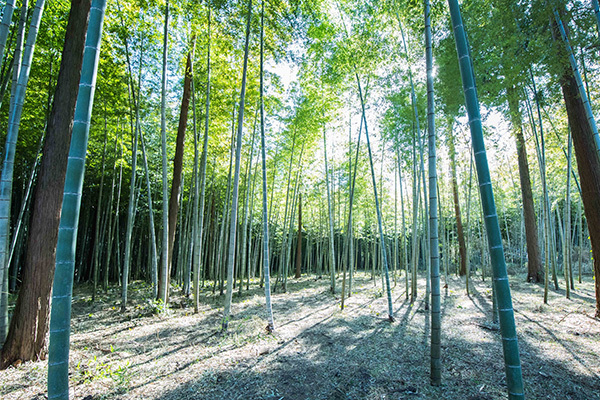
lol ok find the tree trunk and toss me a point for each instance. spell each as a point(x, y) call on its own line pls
point(26, 338)
point(514, 378)
point(200, 231)
point(62, 291)
point(244, 258)
point(163, 277)
point(299, 241)
point(349, 234)
point(415, 233)
point(546, 204)
point(177, 168)
point(225, 214)
point(287, 206)
point(534, 263)
point(588, 165)
point(153, 252)
point(462, 247)
point(114, 223)
point(135, 131)
point(330, 214)
point(567, 235)
point(287, 258)
point(6, 179)
point(580, 238)
point(7, 13)
point(97, 244)
point(265, 217)
point(236, 178)
point(131, 210)
point(597, 14)
point(377, 207)
point(403, 242)
point(435, 362)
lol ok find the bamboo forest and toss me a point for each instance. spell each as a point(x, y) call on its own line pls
point(299, 199)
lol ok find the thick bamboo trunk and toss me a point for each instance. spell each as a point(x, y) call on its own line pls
point(60, 321)
point(501, 286)
point(435, 361)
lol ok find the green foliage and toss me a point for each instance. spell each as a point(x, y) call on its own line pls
point(326, 44)
point(95, 370)
point(157, 306)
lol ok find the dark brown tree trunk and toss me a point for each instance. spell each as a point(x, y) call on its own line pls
point(588, 165)
point(588, 161)
point(462, 248)
point(299, 245)
point(534, 262)
point(27, 333)
point(178, 165)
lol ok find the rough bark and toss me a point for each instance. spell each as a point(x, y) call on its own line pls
point(462, 247)
point(588, 165)
point(178, 163)
point(27, 333)
point(588, 160)
point(535, 272)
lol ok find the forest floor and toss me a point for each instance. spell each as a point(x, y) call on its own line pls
point(319, 351)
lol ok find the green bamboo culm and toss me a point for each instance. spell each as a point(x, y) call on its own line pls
point(582, 92)
point(163, 292)
point(434, 253)
point(60, 314)
point(6, 178)
point(332, 265)
point(236, 178)
point(202, 198)
point(596, 9)
point(510, 344)
point(7, 13)
point(377, 207)
point(265, 216)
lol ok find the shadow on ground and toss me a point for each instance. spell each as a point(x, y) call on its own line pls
point(358, 354)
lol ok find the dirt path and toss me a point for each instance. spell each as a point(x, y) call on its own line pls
point(320, 352)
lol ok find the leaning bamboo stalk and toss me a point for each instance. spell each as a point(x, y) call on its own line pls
point(512, 360)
